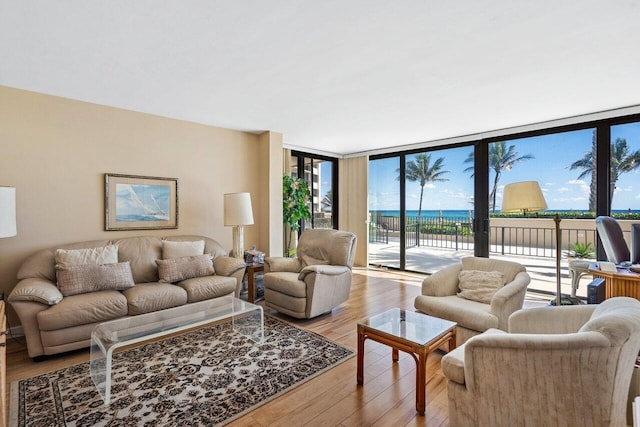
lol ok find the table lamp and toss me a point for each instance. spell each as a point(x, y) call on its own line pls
point(238, 213)
point(524, 197)
point(8, 226)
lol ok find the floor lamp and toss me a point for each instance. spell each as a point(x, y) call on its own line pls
point(524, 197)
point(238, 213)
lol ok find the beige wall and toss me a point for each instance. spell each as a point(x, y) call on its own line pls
point(353, 202)
point(55, 151)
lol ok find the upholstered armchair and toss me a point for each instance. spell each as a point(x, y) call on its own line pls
point(491, 291)
point(560, 366)
point(316, 280)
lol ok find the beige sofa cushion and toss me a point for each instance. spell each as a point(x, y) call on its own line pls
point(142, 253)
point(42, 264)
point(148, 297)
point(469, 314)
point(72, 257)
point(82, 309)
point(480, 286)
point(80, 279)
point(172, 249)
point(177, 269)
point(202, 288)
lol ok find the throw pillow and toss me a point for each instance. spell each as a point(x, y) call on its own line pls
point(476, 285)
point(178, 269)
point(81, 279)
point(101, 255)
point(171, 249)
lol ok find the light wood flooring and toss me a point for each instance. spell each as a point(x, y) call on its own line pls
point(387, 397)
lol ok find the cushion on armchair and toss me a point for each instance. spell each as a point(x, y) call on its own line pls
point(478, 285)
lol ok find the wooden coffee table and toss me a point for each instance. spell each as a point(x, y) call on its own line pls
point(409, 331)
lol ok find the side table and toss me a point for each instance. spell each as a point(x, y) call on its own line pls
point(252, 269)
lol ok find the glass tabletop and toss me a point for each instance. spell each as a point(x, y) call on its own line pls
point(412, 326)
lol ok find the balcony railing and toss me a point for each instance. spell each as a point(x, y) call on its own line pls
point(522, 236)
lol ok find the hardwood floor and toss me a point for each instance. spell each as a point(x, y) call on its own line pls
point(387, 397)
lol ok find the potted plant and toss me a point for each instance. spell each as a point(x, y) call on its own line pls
point(581, 251)
point(295, 196)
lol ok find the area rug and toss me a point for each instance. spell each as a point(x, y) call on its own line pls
point(206, 377)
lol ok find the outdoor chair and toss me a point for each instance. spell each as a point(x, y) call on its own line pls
point(478, 294)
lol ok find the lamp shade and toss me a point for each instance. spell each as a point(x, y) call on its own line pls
point(524, 197)
point(8, 226)
point(237, 209)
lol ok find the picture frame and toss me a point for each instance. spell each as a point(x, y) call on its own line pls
point(140, 202)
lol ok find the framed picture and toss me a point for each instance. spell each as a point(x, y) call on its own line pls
point(140, 202)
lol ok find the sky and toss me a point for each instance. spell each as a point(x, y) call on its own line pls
point(553, 154)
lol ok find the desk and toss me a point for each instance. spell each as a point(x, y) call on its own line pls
point(252, 269)
point(621, 283)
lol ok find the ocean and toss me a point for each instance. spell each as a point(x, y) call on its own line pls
point(457, 214)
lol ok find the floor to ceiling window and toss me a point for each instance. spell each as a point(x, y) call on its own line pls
point(439, 208)
point(414, 197)
point(558, 163)
point(384, 212)
point(321, 173)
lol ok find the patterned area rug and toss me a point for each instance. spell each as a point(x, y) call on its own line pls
point(203, 378)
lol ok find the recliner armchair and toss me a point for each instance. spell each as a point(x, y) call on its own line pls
point(316, 280)
point(566, 366)
point(439, 297)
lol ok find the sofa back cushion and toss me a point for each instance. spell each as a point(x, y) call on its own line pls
point(211, 246)
point(142, 253)
point(42, 265)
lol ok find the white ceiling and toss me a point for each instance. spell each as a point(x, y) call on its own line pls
point(340, 76)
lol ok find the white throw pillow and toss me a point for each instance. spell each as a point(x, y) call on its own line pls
point(480, 286)
point(96, 256)
point(171, 249)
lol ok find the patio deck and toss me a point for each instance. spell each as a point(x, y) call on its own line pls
point(426, 259)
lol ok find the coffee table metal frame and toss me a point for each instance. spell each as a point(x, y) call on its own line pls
point(411, 332)
point(247, 319)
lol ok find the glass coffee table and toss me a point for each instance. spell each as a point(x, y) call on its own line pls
point(409, 331)
point(246, 318)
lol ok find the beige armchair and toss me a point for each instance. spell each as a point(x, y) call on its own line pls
point(565, 366)
point(439, 296)
point(316, 280)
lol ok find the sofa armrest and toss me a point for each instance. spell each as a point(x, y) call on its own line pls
point(550, 320)
point(227, 266)
point(36, 290)
point(509, 299)
point(327, 270)
point(291, 265)
point(443, 282)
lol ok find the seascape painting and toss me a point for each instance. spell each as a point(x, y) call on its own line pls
point(140, 202)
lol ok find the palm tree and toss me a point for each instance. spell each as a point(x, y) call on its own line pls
point(422, 171)
point(501, 158)
point(622, 161)
point(588, 166)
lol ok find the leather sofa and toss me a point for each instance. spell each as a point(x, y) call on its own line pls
point(54, 323)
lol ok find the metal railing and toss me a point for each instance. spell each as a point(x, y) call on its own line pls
point(457, 234)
